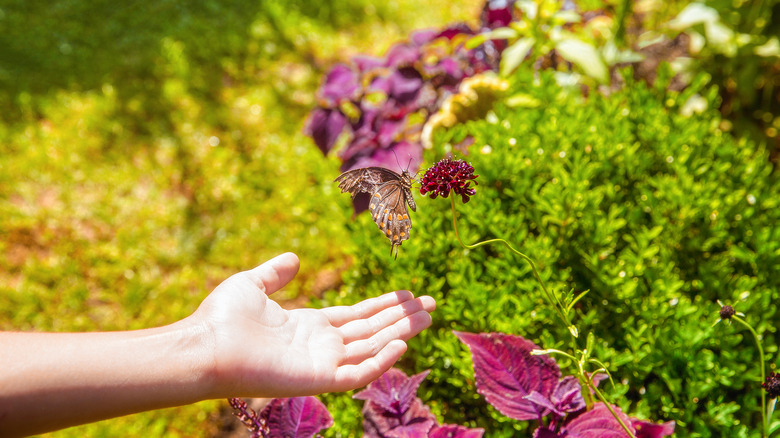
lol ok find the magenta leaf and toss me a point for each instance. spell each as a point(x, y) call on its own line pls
point(392, 409)
point(297, 417)
point(506, 372)
point(341, 83)
point(397, 157)
point(598, 423)
point(544, 432)
point(324, 127)
point(455, 431)
point(402, 55)
point(544, 402)
point(394, 391)
point(568, 395)
point(646, 429)
point(497, 13)
point(415, 422)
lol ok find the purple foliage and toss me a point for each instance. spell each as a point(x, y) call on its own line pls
point(394, 391)
point(645, 429)
point(341, 84)
point(372, 99)
point(506, 373)
point(597, 423)
point(455, 431)
point(392, 409)
point(527, 387)
point(297, 417)
point(566, 398)
point(325, 127)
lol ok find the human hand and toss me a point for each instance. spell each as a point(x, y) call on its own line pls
point(263, 350)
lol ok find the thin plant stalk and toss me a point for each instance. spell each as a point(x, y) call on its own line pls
point(551, 298)
point(554, 302)
point(765, 420)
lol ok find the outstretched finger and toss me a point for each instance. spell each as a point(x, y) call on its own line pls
point(368, 327)
point(355, 376)
point(340, 315)
point(275, 273)
point(404, 329)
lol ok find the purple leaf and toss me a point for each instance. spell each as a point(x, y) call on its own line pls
point(598, 423)
point(341, 83)
point(324, 126)
point(388, 130)
point(454, 30)
point(497, 13)
point(568, 395)
point(297, 417)
point(506, 373)
point(366, 63)
point(455, 431)
point(422, 37)
point(415, 422)
point(646, 429)
point(446, 74)
point(394, 391)
point(402, 55)
point(406, 84)
point(392, 408)
point(397, 157)
point(544, 402)
point(544, 432)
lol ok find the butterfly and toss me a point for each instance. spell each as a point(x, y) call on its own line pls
point(390, 193)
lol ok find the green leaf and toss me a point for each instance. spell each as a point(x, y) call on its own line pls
point(693, 14)
point(585, 56)
point(514, 55)
point(523, 100)
point(770, 48)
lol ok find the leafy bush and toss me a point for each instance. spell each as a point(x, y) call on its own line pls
point(658, 214)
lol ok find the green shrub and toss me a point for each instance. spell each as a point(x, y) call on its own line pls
point(657, 214)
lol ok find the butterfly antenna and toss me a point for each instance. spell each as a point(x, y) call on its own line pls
point(396, 159)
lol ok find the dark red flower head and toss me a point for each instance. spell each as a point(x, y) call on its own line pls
point(449, 175)
point(726, 312)
point(772, 385)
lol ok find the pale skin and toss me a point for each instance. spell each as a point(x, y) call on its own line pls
point(238, 343)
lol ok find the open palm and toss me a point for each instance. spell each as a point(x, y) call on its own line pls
point(263, 350)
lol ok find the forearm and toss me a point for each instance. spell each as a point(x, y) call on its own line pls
point(50, 381)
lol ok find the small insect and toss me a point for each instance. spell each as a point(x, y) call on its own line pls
point(390, 193)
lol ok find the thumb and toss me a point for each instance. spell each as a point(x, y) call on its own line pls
point(275, 273)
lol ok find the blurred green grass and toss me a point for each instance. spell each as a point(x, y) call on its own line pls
point(148, 151)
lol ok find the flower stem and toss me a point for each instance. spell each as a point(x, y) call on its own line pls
point(765, 420)
point(611, 410)
point(556, 304)
point(551, 298)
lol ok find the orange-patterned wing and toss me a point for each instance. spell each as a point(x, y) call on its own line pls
point(390, 194)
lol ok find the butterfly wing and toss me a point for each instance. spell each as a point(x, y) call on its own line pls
point(388, 209)
point(390, 194)
point(366, 179)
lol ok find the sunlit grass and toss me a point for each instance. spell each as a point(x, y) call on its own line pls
point(122, 210)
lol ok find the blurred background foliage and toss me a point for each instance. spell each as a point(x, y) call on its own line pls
point(149, 150)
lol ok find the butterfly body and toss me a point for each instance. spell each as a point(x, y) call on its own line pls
point(390, 194)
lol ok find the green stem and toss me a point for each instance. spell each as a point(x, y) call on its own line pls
point(611, 410)
point(551, 298)
point(765, 421)
point(555, 303)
